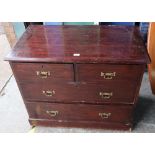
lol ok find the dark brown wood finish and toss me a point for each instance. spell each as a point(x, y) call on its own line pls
point(77, 72)
point(104, 44)
point(32, 72)
point(88, 93)
point(95, 72)
point(81, 124)
point(80, 112)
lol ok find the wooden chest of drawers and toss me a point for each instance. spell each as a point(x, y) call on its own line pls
point(80, 76)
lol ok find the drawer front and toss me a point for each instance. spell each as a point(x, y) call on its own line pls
point(39, 72)
point(80, 112)
point(107, 93)
point(106, 73)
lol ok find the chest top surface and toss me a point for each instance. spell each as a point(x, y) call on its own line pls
point(80, 44)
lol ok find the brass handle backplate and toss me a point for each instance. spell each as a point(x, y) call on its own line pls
point(52, 113)
point(48, 92)
point(108, 76)
point(104, 115)
point(106, 95)
point(43, 74)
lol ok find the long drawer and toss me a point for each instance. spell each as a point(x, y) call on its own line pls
point(80, 112)
point(43, 72)
point(107, 93)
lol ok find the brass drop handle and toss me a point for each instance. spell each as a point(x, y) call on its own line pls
point(48, 92)
point(104, 115)
point(108, 76)
point(106, 95)
point(52, 113)
point(43, 74)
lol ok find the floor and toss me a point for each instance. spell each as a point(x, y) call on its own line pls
point(11, 117)
point(4, 49)
point(14, 117)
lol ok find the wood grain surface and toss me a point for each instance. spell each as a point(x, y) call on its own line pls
point(93, 44)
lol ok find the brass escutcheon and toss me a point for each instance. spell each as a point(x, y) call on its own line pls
point(43, 74)
point(48, 92)
point(108, 76)
point(52, 113)
point(106, 95)
point(104, 115)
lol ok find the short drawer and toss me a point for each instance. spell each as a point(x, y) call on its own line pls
point(80, 112)
point(107, 93)
point(106, 73)
point(39, 72)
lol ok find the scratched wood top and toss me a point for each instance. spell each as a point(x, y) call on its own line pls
point(80, 44)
